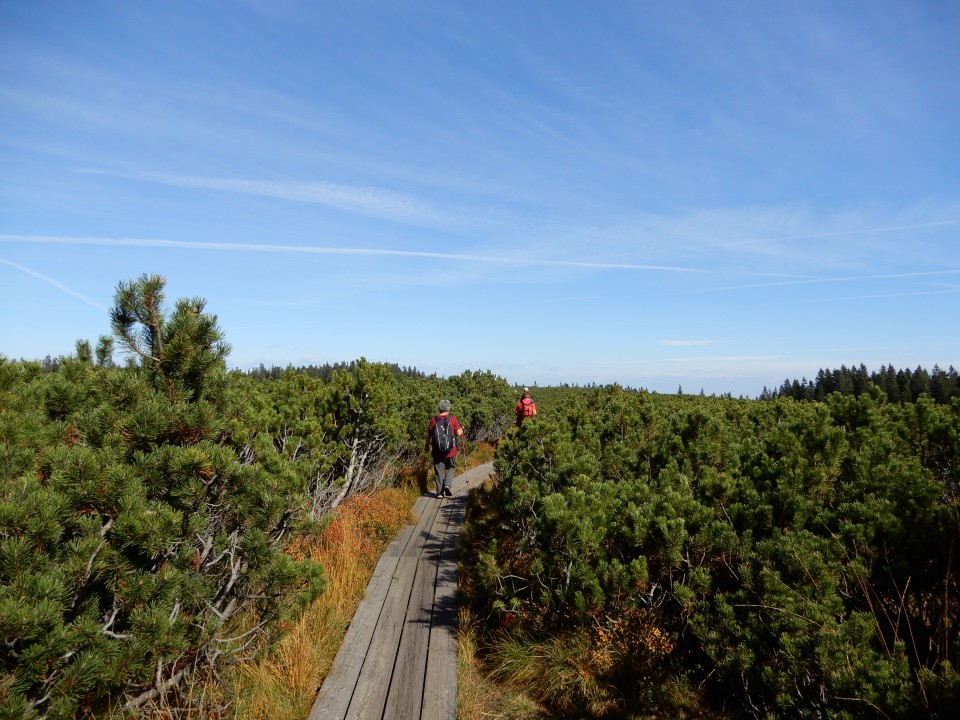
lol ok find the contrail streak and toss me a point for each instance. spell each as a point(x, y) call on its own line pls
point(816, 281)
point(316, 250)
point(55, 283)
point(888, 295)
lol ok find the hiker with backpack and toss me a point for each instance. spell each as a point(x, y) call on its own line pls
point(442, 436)
point(526, 407)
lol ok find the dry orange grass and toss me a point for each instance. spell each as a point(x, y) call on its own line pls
point(477, 455)
point(284, 684)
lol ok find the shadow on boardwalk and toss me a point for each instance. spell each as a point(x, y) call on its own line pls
point(398, 660)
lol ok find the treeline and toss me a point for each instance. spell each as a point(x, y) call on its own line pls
point(326, 371)
point(682, 556)
point(898, 385)
point(146, 510)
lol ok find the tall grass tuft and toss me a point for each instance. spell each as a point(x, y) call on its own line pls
point(478, 697)
point(555, 670)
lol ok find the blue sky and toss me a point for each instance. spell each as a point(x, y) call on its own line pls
point(710, 195)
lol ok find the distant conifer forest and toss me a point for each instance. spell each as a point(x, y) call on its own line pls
point(898, 385)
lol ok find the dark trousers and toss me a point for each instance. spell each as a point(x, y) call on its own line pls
point(443, 470)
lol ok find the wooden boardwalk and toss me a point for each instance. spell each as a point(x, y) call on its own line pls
point(398, 660)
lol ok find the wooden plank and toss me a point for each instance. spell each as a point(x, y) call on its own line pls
point(421, 504)
point(423, 531)
point(422, 511)
point(440, 680)
point(370, 695)
point(405, 697)
point(413, 587)
point(333, 701)
point(399, 544)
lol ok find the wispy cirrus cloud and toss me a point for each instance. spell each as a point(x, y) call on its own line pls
point(685, 343)
point(789, 242)
point(729, 359)
point(573, 298)
point(358, 199)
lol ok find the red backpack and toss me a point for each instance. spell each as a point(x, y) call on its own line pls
point(529, 407)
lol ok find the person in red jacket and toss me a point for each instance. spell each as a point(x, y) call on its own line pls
point(443, 446)
point(526, 407)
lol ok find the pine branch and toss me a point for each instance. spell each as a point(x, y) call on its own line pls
point(781, 610)
point(255, 629)
point(159, 689)
point(89, 570)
